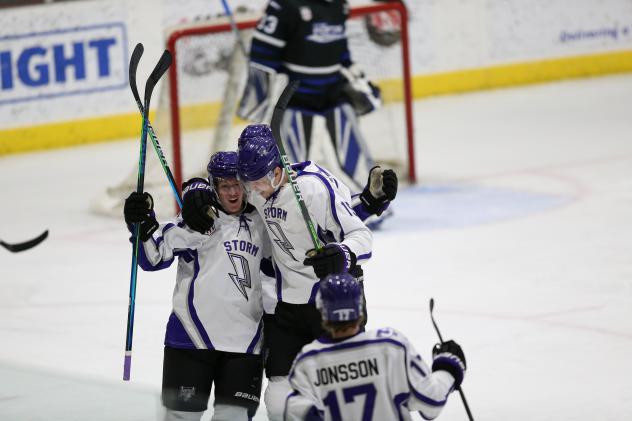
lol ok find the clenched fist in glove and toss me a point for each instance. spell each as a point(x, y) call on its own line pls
point(197, 205)
point(448, 356)
point(380, 188)
point(333, 258)
point(139, 209)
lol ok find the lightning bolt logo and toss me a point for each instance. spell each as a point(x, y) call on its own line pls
point(280, 239)
point(241, 277)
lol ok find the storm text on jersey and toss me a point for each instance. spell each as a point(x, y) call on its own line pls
point(241, 245)
point(277, 213)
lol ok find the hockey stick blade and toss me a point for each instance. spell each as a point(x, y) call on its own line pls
point(17, 247)
point(461, 393)
point(133, 67)
point(160, 69)
point(433, 320)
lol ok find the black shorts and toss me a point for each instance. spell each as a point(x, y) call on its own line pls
point(290, 328)
point(189, 374)
point(287, 331)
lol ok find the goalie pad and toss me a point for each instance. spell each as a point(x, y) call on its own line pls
point(352, 153)
point(363, 95)
point(296, 131)
point(255, 100)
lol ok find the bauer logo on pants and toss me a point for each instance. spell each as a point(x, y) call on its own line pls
point(61, 62)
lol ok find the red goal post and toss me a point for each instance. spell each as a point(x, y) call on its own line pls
point(224, 26)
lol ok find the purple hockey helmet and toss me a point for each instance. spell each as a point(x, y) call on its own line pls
point(339, 298)
point(222, 165)
point(258, 152)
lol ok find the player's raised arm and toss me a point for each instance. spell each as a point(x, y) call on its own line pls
point(378, 193)
point(430, 387)
point(329, 203)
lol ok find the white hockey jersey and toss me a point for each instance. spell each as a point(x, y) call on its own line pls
point(375, 375)
point(217, 300)
point(329, 204)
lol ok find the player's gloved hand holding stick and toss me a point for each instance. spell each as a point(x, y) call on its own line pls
point(332, 258)
point(159, 70)
point(197, 205)
point(139, 209)
point(449, 356)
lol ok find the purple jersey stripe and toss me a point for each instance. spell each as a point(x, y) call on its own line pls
point(162, 234)
point(255, 340)
point(361, 211)
point(190, 304)
point(279, 282)
point(348, 345)
point(399, 401)
point(332, 199)
point(312, 295)
point(417, 368)
point(146, 265)
point(176, 336)
point(290, 396)
point(426, 399)
point(321, 169)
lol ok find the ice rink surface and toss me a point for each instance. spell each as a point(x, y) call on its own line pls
point(520, 229)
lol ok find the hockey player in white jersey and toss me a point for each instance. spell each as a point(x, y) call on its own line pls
point(214, 334)
point(352, 374)
point(347, 244)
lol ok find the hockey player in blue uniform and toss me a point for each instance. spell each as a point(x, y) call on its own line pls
point(214, 334)
point(352, 374)
point(306, 40)
point(347, 244)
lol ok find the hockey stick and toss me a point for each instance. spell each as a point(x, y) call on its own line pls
point(233, 26)
point(161, 67)
point(467, 407)
point(16, 247)
point(154, 139)
point(277, 117)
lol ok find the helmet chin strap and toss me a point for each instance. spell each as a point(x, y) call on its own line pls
point(271, 176)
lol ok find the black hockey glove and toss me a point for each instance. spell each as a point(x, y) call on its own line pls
point(381, 187)
point(449, 357)
point(139, 209)
point(333, 258)
point(197, 205)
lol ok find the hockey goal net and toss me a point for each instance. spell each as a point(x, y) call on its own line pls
point(196, 112)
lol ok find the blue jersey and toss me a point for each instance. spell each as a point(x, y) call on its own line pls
point(306, 40)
